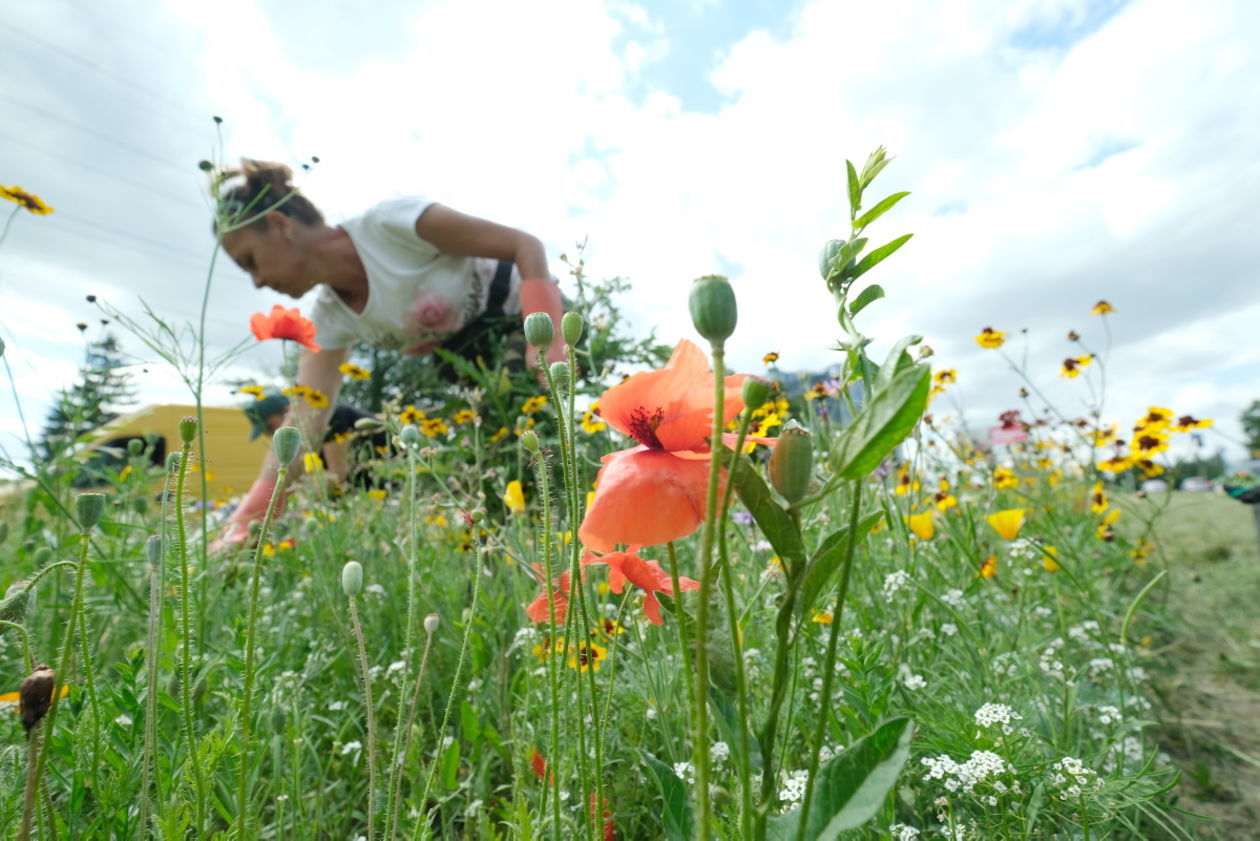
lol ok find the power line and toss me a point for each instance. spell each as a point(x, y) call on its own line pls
point(109, 229)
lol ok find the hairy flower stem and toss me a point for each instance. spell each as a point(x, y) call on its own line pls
point(32, 775)
point(371, 716)
point(401, 758)
point(185, 631)
point(700, 698)
point(829, 662)
point(553, 677)
point(150, 690)
point(242, 784)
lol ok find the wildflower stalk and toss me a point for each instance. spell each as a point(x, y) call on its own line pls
point(829, 662)
point(185, 630)
point(242, 785)
point(371, 716)
point(27, 656)
point(400, 758)
point(150, 679)
point(553, 678)
point(684, 637)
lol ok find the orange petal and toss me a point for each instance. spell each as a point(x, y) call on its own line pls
point(645, 497)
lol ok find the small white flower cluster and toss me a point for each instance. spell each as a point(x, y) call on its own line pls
point(1073, 779)
point(1085, 634)
point(1051, 665)
point(1100, 666)
point(991, 714)
point(351, 747)
point(895, 582)
point(793, 786)
point(949, 629)
point(1006, 664)
point(686, 772)
point(1109, 715)
point(982, 766)
point(913, 681)
point(901, 832)
point(955, 599)
point(1024, 549)
point(721, 752)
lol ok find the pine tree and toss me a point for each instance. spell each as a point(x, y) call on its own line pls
point(102, 392)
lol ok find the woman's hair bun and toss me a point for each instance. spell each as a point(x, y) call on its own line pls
point(258, 187)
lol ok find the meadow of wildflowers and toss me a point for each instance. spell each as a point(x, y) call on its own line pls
point(690, 607)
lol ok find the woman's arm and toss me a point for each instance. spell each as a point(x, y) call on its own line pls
point(317, 370)
point(458, 233)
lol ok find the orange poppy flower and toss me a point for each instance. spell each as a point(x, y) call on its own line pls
point(284, 324)
point(656, 492)
point(538, 611)
point(647, 575)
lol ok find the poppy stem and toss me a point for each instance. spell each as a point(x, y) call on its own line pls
point(185, 631)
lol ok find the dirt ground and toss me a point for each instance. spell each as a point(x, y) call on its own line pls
point(1207, 662)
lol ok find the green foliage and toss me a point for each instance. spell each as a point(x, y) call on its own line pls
point(102, 392)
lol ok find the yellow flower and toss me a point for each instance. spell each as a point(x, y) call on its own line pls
point(433, 427)
point(1104, 530)
point(590, 498)
point(126, 471)
point(945, 376)
point(988, 568)
point(514, 497)
point(1098, 499)
point(376, 494)
point(922, 525)
point(463, 416)
point(1054, 477)
point(499, 435)
point(1142, 551)
point(312, 462)
point(30, 201)
point(1004, 478)
point(990, 338)
point(1155, 419)
point(534, 404)
point(587, 655)
point(591, 421)
point(770, 358)
point(946, 501)
point(316, 398)
point(1187, 422)
point(354, 372)
point(258, 391)
point(1116, 464)
point(438, 520)
point(1073, 364)
point(905, 484)
point(822, 617)
point(1049, 559)
point(1008, 522)
point(1149, 468)
point(1148, 443)
point(1102, 308)
point(1104, 436)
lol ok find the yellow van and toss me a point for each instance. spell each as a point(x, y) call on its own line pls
point(231, 460)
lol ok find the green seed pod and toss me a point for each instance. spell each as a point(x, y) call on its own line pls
point(539, 329)
point(560, 375)
point(16, 604)
point(140, 505)
point(135, 446)
point(172, 463)
point(187, 429)
point(42, 556)
point(792, 464)
point(571, 327)
point(286, 442)
point(529, 440)
point(352, 578)
point(4, 532)
point(409, 435)
point(712, 305)
point(153, 550)
point(756, 391)
point(431, 623)
point(89, 508)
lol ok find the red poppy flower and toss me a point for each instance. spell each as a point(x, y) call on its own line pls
point(539, 612)
point(284, 324)
point(647, 575)
point(538, 763)
point(656, 492)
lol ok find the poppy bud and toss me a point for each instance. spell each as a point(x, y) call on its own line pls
point(792, 464)
point(712, 305)
point(756, 391)
point(286, 442)
point(172, 463)
point(153, 550)
point(409, 435)
point(35, 695)
point(89, 508)
point(16, 603)
point(205, 166)
point(187, 429)
point(539, 329)
point(560, 375)
point(529, 440)
point(42, 556)
point(352, 578)
point(571, 327)
point(431, 623)
point(135, 446)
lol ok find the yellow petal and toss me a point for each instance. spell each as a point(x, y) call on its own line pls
point(1007, 523)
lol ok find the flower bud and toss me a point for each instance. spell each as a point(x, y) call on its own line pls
point(539, 329)
point(16, 603)
point(756, 391)
point(89, 508)
point(43, 555)
point(560, 375)
point(368, 424)
point(431, 623)
point(153, 549)
point(571, 327)
point(409, 435)
point(286, 442)
point(35, 695)
point(792, 464)
point(188, 429)
point(529, 440)
point(135, 446)
point(712, 305)
point(352, 578)
point(173, 461)
point(140, 505)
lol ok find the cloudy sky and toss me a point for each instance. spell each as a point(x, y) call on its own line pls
point(1058, 152)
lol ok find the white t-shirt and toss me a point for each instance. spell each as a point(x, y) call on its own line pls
point(417, 296)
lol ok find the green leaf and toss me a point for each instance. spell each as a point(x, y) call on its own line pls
point(842, 262)
point(775, 523)
point(872, 169)
point(450, 765)
point(878, 210)
point(867, 296)
point(676, 816)
point(875, 257)
point(828, 558)
point(727, 719)
point(468, 722)
point(882, 423)
point(855, 190)
point(851, 787)
point(898, 360)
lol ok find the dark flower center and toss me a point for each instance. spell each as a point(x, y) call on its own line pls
point(643, 426)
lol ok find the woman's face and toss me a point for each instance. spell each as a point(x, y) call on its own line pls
point(272, 255)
